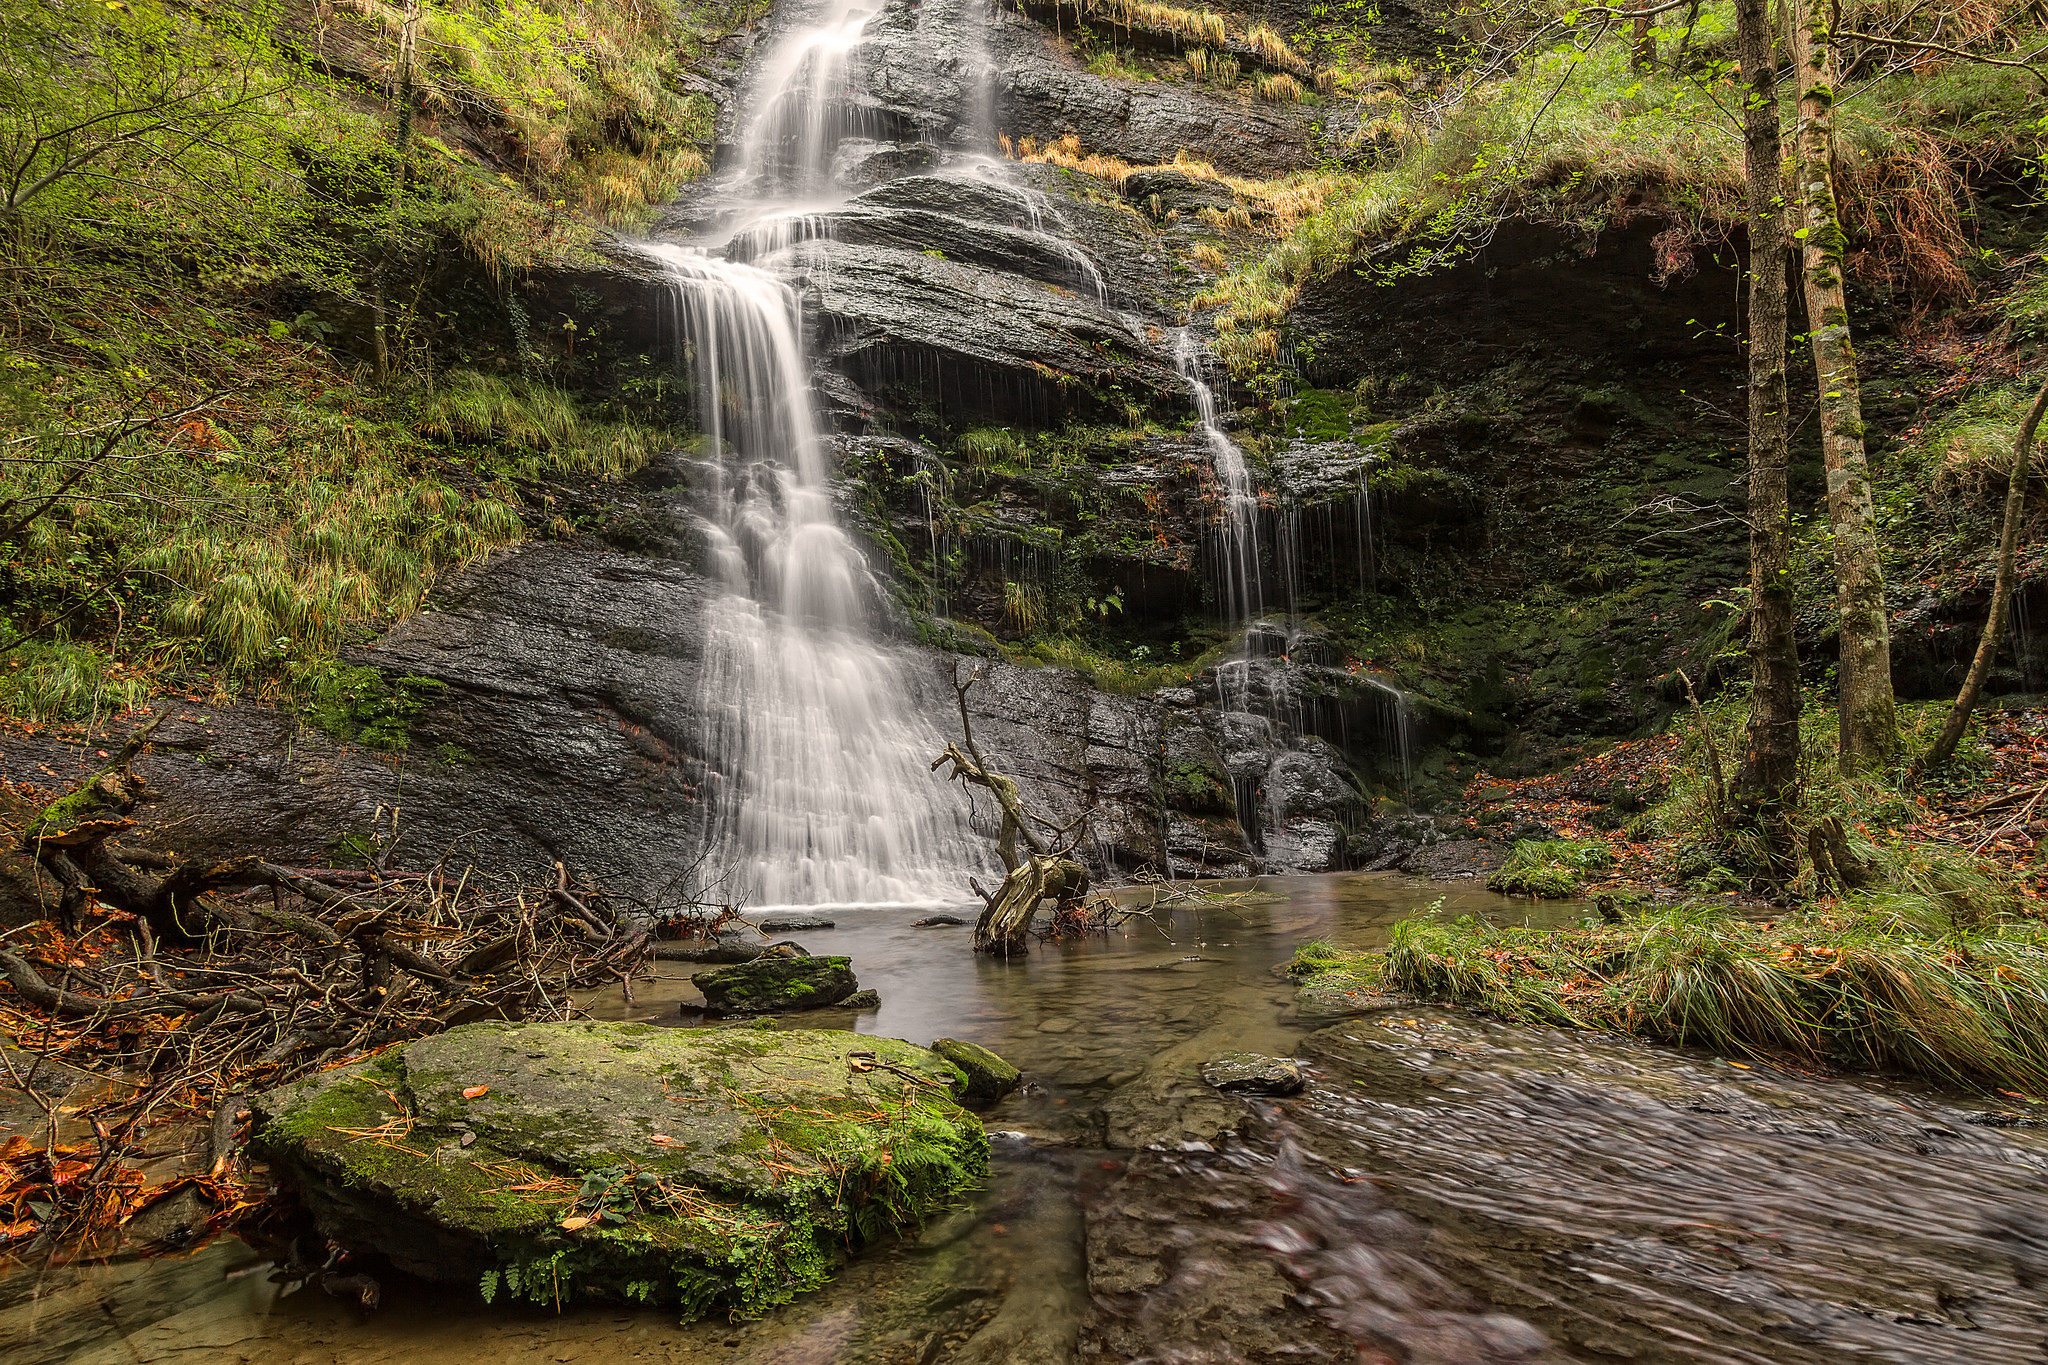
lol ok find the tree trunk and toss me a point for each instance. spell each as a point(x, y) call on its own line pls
point(1005, 925)
point(1643, 46)
point(1041, 872)
point(2001, 595)
point(1869, 716)
point(1766, 786)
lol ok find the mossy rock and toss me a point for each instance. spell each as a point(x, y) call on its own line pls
point(989, 1077)
point(700, 1169)
point(773, 985)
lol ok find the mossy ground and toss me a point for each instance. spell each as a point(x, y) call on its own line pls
point(698, 1169)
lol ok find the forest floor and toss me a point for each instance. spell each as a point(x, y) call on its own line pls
point(1993, 806)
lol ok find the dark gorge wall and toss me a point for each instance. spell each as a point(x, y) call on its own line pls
point(1492, 501)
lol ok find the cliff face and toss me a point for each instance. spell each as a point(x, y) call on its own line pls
point(1496, 505)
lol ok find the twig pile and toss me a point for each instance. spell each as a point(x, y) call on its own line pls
point(166, 989)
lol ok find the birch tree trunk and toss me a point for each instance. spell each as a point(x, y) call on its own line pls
point(1869, 716)
point(1766, 786)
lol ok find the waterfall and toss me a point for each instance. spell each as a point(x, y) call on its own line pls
point(801, 115)
point(816, 779)
point(1242, 585)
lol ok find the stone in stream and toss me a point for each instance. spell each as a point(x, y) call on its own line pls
point(1248, 1073)
point(989, 1077)
point(792, 924)
point(721, 945)
point(862, 1000)
point(699, 1169)
point(936, 922)
point(771, 985)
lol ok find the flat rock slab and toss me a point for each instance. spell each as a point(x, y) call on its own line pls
point(777, 985)
point(695, 1168)
point(1248, 1073)
point(792, 924)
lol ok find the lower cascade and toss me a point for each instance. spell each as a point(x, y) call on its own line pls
point(816, 762)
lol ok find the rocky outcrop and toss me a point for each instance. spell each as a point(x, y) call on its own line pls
point(989, 1077)
point(776, 985)
point(700, 1169)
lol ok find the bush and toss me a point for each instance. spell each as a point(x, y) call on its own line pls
point(1555, 869)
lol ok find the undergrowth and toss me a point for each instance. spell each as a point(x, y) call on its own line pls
point(1860, 988)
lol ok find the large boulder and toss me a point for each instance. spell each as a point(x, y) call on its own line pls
point(776, 985)
point(695, 1168)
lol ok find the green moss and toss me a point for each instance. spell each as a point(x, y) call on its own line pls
point(555, 1201)
point(366, 705)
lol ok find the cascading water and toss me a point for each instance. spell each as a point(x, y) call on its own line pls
point(801, 112)
point(816, 758)
point(1242, 584)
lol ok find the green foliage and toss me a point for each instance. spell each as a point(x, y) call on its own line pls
point(1553, 868)
point(67, 681)
point(1861, 991)
point(366, 705)
point(1572, 133)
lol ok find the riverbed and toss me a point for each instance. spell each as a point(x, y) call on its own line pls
point(1447, 1189)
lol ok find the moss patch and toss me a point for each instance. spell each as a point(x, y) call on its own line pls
point(698, 1169)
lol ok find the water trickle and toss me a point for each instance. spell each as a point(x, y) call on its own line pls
point(1242, 586)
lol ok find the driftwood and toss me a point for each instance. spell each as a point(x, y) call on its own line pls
point(1043, 869)
point(188, 983)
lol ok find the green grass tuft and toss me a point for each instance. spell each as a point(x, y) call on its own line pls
point(1861, 991)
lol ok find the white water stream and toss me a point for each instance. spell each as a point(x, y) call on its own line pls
point(818, 782)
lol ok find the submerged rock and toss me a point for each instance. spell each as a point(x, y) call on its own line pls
point(696, 1168)
point(989, 1077)
point(1248, 1073)
point(769, 985)
point(792, 924)
point(862, 1000)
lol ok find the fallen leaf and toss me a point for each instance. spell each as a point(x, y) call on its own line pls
point(575, 1223)
point(476, 1092)
point(663, 1139)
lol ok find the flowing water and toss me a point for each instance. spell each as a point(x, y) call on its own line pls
point(1445, 1191)
point(1242, 583)
point(816, 755)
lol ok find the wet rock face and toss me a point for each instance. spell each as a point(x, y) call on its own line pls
point(1043, 94)
point(1248, 1073)
point(726, 1200)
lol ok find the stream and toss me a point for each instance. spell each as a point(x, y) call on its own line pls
point(1447, 1189)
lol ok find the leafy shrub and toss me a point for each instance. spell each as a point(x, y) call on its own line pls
point(1555, 869)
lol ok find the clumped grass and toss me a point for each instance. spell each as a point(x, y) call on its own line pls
point(530, 416)
point(1274, 51)
point(985, 447)
point(1553, 868)
point(68, 681)
point(1850, 991)
point(1182, 26)
point(1280, 88)
point(1207, 256)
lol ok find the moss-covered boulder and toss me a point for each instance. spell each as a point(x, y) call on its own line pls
point(696, 1168)
point(777, 985)
point(989, 1077)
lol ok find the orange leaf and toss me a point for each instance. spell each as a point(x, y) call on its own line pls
point(476, 1092)
point(663, 1139)
point(573, 1224)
